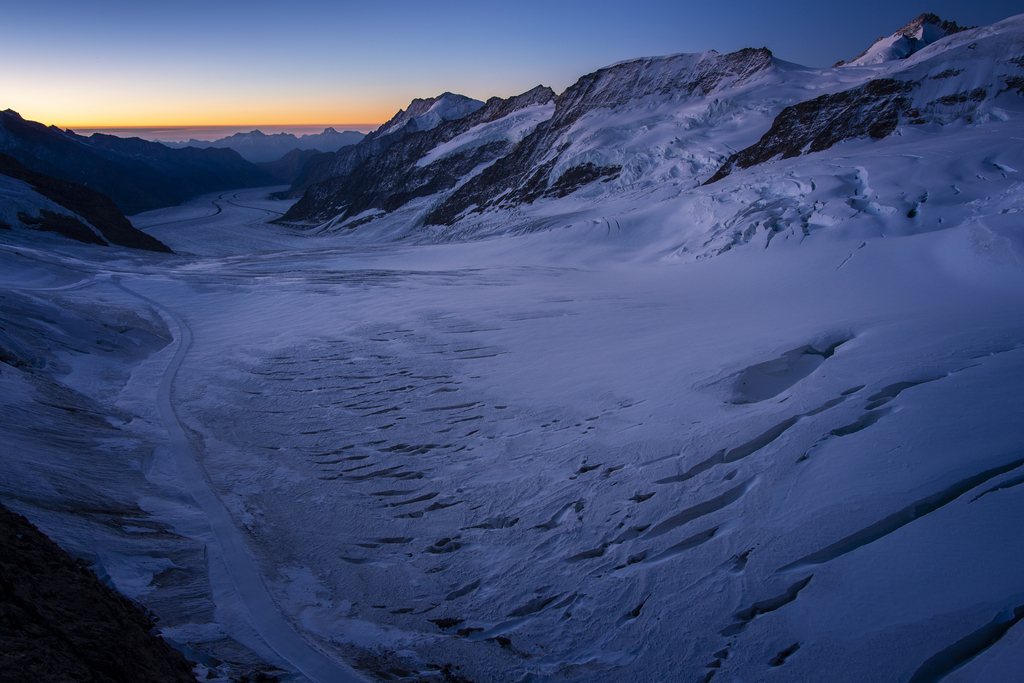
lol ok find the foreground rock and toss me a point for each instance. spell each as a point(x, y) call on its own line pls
point(59, 623)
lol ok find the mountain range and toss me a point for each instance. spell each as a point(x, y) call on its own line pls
point(257, 146)
point(687, 117)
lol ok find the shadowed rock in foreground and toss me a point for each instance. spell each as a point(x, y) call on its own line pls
point(59, 623)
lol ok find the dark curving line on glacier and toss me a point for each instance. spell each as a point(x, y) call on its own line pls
point(245, 577)
point(899, 519)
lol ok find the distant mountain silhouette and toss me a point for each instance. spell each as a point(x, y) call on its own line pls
point(257, 146)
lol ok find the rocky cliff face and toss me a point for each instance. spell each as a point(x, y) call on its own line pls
point(421, 115)
point(961, 83)
point(871, 110)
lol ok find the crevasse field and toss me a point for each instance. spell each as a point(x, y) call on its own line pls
point(594, 445)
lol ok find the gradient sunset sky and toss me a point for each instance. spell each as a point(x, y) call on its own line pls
point(238, 65)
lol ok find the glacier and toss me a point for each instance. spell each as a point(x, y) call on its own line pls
point(650, 428)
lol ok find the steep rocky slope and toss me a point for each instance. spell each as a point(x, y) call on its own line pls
point(964, 78)
point(59, 623)
point(550, 161)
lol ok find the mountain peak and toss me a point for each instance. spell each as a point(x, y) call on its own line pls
point(918, 33)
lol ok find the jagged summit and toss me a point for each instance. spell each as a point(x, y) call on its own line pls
point(427, 113)
point(915, 35)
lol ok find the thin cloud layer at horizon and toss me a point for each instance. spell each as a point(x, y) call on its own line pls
point(118, 65)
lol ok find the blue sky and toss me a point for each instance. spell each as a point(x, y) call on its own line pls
point(118, 63)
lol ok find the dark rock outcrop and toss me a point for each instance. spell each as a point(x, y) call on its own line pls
point(137, 174)
point(96, 208)
point(524, 175)
point(59, 623)
point(873, 109)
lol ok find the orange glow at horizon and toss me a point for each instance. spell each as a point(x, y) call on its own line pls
point(90, 110)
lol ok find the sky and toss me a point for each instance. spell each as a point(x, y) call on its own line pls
point(220, 66)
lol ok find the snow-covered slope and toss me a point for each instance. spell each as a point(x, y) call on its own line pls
point(641, 428)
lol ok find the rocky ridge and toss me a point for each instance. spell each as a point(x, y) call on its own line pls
point(919, 33)
point(258, 147)
point(533, 169)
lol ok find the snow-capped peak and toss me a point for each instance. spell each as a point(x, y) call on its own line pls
point(425, 114)
point(919, 33)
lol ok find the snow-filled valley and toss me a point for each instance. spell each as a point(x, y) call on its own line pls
point(763, 429)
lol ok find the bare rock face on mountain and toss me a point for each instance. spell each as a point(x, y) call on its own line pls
point(917, 34)
point(82, 205)
point(871, 110)
point(59, 623)
point(396, 175)
point(528, 173)
point(959, 84)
